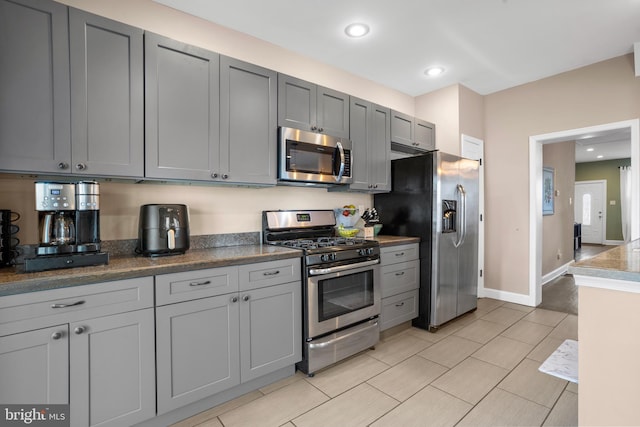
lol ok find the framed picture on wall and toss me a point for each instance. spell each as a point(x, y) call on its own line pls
point(547, 190)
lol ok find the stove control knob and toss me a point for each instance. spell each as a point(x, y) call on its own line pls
point(324, 257)
point(333, 257)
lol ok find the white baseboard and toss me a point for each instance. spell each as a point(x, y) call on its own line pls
point(613, 242)
point(555, 273)
point(507, 296)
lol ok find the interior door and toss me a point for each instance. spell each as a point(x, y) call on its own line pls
point(590, 210)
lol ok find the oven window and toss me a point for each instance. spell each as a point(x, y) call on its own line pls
point(344, 294)
point(309, 158)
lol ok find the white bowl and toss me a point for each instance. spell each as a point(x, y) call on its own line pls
point(346, 221)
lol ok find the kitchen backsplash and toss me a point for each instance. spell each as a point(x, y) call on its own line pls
point(213, 210)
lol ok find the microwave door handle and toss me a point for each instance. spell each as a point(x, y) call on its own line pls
point(342, 161)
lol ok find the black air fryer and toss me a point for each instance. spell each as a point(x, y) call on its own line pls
point(163, 230)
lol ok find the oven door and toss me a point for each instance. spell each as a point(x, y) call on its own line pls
point(341, 296)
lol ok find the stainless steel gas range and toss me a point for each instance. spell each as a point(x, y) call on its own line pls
point(341, 286)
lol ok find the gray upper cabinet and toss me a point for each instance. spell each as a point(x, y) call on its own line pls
point(72, 93)
point(410, 134)
point(106, 96)
point(370, 129)
point(304, 105)
point(35, 124)
point(248, 123)
point(425, 135)
point(181, 110)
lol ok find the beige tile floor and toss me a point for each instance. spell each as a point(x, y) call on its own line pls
point(479, 370)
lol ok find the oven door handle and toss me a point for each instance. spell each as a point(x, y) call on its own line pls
point(319, 271)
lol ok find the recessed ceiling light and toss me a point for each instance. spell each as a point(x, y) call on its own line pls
point(434, 71)
point(357, 30)
point(590, 149)
point(600, 156)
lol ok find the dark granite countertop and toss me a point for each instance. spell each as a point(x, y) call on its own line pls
point(127, 267)
point(12, 281)
point(396, 240)
point(620, 263)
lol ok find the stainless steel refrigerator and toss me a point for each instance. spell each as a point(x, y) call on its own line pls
point(435, 197)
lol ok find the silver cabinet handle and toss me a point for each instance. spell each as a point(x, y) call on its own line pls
point(63, 165)
point(206, 282)
point(57, 335)
point(225, 176)
point(81, 166)
point(246, 298)
point(234, 299)
point(214, 175)
point(400, 305)
point(314, 127)
point(320, 129)
point(400, 273)
point(80, 329)
point(67, 305)
point(400, 254)
point(271, 273)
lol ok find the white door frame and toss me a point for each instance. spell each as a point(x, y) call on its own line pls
point(603, 183)
point(464, 140)
point(535, 192)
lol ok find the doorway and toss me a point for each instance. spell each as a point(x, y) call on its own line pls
point(591, 211)
point(535, 192)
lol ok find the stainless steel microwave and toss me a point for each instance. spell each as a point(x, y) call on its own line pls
point(307, 157)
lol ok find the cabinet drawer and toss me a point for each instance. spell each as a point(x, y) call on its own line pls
point(44, 308)
point(190, 285)
point(398, 308)
point(402, 253)
point(270, 273)
point(400, 277)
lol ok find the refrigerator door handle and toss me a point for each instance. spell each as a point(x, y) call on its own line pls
point(463, 216)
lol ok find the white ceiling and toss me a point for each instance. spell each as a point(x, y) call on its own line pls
point(613, 144)
point(486, 45)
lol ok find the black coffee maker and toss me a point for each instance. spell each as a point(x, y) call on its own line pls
point(68, 226)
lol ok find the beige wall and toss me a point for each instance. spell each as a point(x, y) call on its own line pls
point(471, 112)
point(557, 229)
point(601, 93)
point(442, 107)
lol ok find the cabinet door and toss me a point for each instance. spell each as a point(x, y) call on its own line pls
point(380, 149)
point(249, 129)
point(425, 135)
point(296, 103)
point(270, 329)
point(181, 110)
point(197, 350)
point(34, 367)
point(35, 133)
point(402, 128)
point(107, 96)
point(333, 112)
point(112, 363)
point(360, 132)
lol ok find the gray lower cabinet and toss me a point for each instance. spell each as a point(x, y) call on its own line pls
point(35, 365)
point(181, 110)
point(370, 132)
point(112, 370)
point(242, 322)
point(400, 276)
point(89, 346)
point(72, 93)
point(410, 134)
point(307, 106)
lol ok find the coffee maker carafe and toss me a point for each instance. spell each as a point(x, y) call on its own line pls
point(69, 226)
